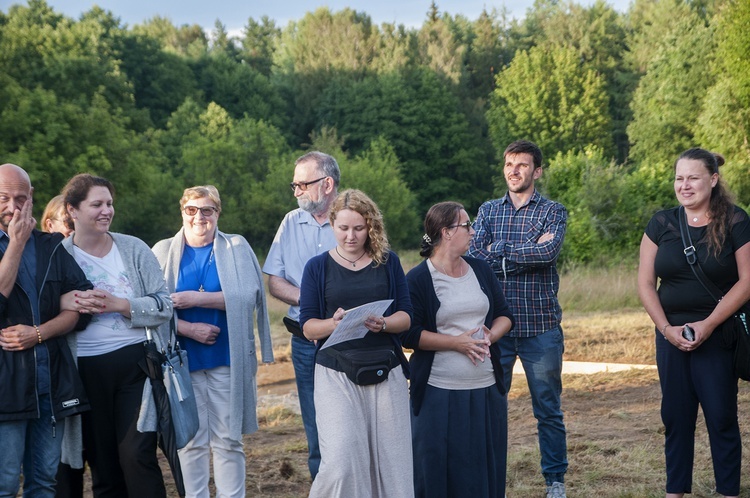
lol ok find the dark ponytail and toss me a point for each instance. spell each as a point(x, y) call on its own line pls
point(438, 217)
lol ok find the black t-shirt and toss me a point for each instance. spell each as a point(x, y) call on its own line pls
point(682, 296)
point(348, 289)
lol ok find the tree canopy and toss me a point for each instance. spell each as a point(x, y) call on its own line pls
point(414, 115)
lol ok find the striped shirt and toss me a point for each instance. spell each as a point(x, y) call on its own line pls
point(507, 238)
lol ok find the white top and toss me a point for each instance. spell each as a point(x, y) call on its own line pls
point(107, 332)
point(463, 306)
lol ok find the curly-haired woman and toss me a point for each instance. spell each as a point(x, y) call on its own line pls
point(364, 434)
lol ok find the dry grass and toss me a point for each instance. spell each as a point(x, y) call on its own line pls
point(615, 442)
point(599, 289)
point(282, 350)
point(614, 337)
point(615, 438)
point(277, 416)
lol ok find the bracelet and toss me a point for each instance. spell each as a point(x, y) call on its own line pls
point(38, 334)
point(383, 329)
point(664, 330)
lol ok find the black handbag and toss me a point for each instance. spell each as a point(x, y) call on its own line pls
point(365, 367)
point(735, 329)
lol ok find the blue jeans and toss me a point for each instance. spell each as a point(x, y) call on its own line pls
point(34, 446)
point(303, 359)
point(541, 357)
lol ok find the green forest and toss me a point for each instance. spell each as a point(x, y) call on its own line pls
point(413, 115)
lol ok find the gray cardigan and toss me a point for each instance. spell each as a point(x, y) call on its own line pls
point(244, 295)
point(145, 277)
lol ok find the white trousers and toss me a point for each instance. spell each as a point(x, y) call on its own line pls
point(365, 437)
point(212, 396)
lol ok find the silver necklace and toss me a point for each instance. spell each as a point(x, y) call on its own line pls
point(442, 268)
point(353, 262)
point(205, 271)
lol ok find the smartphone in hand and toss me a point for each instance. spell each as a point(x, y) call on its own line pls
point(688, 333)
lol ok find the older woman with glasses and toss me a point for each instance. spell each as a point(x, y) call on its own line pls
point(217, 289)
point(457, 389)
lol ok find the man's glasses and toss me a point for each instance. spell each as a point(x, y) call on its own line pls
point(304, 185)
point(466, 225)
point(205, 210)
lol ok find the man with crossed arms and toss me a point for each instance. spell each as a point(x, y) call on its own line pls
point(520, 235)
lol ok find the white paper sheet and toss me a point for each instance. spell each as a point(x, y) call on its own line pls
point(352, 326)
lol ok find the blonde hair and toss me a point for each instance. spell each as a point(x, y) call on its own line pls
point(55, 210)
point(200, 192)
point(376, 245)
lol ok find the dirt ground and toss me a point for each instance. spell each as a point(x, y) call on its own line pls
point(610, 414)
point(277, 453)
point(601, 415)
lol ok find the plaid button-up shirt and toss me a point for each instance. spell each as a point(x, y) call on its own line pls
point(507, 238)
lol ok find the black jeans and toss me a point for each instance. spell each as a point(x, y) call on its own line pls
point(123, 461)
point(701, 377)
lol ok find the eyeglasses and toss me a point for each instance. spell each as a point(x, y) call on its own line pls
point(303, 185)
point(205, 210)
point(466, 225)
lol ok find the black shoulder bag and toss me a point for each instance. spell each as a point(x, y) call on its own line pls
point(735, 329)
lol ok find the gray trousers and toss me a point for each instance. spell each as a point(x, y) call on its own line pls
point(365, 437)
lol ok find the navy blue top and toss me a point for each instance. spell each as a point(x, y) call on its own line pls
point(26, 278)
point(312, 293)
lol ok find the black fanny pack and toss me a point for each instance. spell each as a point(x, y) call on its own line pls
point(365, 366)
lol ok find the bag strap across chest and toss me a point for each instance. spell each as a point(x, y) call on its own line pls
point(692, 258)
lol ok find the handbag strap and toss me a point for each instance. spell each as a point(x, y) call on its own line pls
point(692, 258)
point(159, 305)
point(173, 344)
point(172, 325)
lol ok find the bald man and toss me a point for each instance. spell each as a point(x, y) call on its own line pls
point(39, 384)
